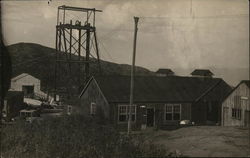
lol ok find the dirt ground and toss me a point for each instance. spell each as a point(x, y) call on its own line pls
point(204, 141)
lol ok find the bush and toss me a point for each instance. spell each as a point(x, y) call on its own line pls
point(73, 137)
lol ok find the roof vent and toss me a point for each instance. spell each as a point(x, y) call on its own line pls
point(202, 73)
point(164, 72)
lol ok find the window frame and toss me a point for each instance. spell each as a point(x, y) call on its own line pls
point(126, 113)
point(69, 109)
point(236, 113)
point(93, 108)
point(173, 112)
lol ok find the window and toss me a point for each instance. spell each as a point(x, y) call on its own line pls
point(169, 112)
point(93, 108)
point(177, 112)
point(233, 113)
point(173, 112)
point(69, 109)
point(123, 113)
point(236, 113)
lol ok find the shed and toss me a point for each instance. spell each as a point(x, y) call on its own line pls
point(30, 86)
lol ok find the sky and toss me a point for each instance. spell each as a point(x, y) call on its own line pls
point(176, 34)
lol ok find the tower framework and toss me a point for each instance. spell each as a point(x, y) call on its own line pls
point(76, 42)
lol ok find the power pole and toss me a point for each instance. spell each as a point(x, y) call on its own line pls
point(132, 76)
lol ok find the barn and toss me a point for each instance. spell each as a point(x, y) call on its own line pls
point(158, 101)
point(235, 107)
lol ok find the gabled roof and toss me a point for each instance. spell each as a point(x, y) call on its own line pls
point(202, 72)
point(247, 82)
point(155, 89)
point(21, 76)
point(165, 71)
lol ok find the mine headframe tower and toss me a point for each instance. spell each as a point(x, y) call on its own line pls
point(76, 41)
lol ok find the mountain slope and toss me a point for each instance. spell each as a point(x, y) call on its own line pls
point(39, 61)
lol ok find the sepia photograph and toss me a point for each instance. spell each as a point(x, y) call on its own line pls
point(124, 78)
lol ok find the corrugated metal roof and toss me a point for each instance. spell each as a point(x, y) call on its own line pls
point(156, 89)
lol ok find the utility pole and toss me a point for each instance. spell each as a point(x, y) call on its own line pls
point(132, 76)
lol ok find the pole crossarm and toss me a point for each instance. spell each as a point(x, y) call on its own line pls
point(64, 7)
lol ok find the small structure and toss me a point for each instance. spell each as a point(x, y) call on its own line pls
point(13, 103)
point(158, 101)
point(29, 85)
point(164, 72)
point(29, 113)
point(236, 108)
point(202, 73)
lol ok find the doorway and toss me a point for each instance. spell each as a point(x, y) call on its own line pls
point(28, 91)
point(225, 115)
point(247, 118)
point(150, 117)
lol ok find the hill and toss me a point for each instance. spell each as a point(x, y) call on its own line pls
point(39, 61)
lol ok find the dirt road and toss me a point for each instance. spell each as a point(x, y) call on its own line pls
point(204, 141)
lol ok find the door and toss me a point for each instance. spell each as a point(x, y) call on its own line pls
point(225, 115)
point(150, 117)
point(247, 118)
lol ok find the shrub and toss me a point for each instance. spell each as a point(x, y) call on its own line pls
point(73, 137)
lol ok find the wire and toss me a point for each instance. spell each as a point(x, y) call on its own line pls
point(198, 17)
point(105, 50)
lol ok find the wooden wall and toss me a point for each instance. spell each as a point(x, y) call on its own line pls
point(237, 99)
point(159, 109)
point(93, 94)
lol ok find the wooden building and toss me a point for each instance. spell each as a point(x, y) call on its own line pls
point(236, 108)
point(158, 101)
point(30, 85)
